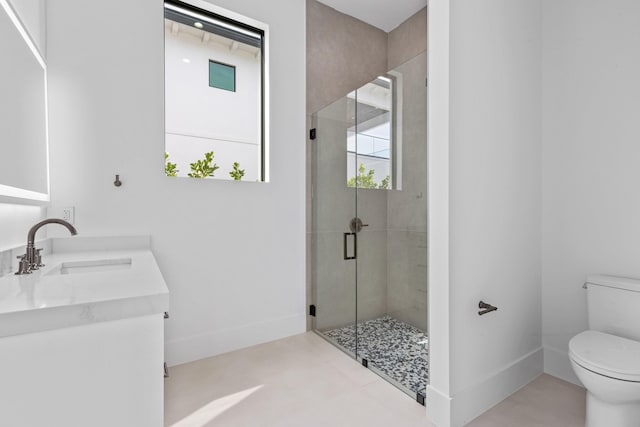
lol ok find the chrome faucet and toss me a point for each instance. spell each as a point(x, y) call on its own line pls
point(32, 260)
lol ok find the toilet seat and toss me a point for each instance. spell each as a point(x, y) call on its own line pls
point(607, 355)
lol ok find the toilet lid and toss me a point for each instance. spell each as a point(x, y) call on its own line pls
point(607, 354)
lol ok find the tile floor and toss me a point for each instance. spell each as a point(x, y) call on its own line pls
point(305, 381)
point(547, 401)
point(398, 350)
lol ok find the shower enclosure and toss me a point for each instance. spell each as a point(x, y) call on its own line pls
point(369, 235)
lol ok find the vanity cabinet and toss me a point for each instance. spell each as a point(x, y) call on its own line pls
point(82, 338)
point(103, 374)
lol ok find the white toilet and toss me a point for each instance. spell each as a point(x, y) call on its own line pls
point(606, 358)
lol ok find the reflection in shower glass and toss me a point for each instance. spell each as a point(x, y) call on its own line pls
point(369, 140)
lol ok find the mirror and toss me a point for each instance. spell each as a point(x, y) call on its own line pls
point(24, 168)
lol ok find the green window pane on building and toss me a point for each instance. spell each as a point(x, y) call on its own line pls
point(222, 76)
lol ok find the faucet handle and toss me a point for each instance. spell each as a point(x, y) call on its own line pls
point(23, 267)
point(38, 260)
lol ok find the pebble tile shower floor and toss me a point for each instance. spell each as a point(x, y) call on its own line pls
point(397, 349)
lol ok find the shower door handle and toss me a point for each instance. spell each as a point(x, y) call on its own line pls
point(346, 245)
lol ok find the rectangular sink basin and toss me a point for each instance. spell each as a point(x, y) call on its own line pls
point(93, 266)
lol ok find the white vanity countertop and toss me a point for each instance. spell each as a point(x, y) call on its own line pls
point(46, 299)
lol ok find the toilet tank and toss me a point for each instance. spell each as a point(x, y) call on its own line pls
point(613, 305)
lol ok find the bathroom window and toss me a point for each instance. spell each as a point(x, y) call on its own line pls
point(215, 93)
point(370, 140)
point(222, 76)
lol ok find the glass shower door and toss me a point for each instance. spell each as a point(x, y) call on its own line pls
point(334, 246)
point(375, 152)
point(369, 235)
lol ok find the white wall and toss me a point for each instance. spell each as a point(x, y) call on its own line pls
point(15, 220)
point(236, 278)
point(32, 13)
point(583, 92)
point(591, 152)
point(438, 272)
point(494, 96)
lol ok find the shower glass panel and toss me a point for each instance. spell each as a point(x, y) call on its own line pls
point(334, 204)
point(392, 265)
point(370, 225)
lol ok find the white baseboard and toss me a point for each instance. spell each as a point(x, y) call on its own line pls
point(198, 347)
point(557, 363)
point(438, 407)
point(467, 404)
